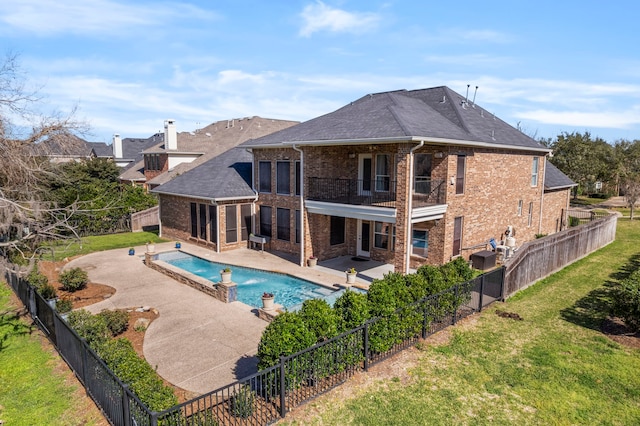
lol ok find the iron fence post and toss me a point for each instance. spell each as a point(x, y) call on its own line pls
point(481, 292)
point(126, 412)
point(365, 337)
point(503, 275)
point(154, 419)
point(424, 322)
point(455, 304)
point(283, 397)
point(83, 345)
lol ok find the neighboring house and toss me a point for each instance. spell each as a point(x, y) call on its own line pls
point(175, 153)
point(200, 175)
point(128, 155)
point(404, 177)
point(72, 148)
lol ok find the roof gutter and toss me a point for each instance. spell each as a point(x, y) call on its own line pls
point(401, 139)
point(407, 223)
point(302, 234)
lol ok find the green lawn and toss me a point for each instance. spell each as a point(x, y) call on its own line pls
point(62, 249)
point(34, 389)
point(554, 367)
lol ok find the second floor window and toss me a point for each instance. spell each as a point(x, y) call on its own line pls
point(534, 171)
point(460, 169)
point(283, 184)
point(264, 184)
point(383, 174)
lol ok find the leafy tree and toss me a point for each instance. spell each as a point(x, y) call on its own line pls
point(103, 205)
point(582, 158)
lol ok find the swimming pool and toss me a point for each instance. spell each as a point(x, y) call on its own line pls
point(289, 291)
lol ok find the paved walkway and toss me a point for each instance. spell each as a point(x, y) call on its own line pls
point(199, 343)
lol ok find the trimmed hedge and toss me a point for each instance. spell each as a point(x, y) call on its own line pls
point(391, 299)
point(120, 356)
point(285, 335)
point(141, 378)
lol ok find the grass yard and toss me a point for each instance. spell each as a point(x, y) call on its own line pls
point(553, 367)
point(36, 387)
point(62, 249)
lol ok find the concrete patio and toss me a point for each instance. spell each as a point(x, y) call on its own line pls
point(199, 343)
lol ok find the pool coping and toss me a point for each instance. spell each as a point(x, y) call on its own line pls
point(225, 292)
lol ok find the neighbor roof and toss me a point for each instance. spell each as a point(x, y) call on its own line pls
point(215, 139)
point(436, 115)
point(555, 179)
point(226, 176)
point(100, 149)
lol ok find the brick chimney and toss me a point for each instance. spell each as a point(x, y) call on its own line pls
point(170, 135)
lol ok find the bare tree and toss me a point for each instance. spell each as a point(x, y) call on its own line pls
point(27, 215)
point(631, 188)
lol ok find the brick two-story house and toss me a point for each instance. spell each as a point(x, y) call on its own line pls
point(404, 177)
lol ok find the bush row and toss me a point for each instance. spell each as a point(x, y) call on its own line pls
point(397, 300)
point(99, 331)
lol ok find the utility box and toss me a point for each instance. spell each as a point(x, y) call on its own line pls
point(483, 260)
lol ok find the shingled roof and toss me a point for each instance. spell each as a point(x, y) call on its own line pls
point(436, 115)
point(555, 179)
point(215, 139)
point(225, 176)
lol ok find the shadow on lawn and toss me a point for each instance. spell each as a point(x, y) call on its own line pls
point(596, 307)
point(11, 324)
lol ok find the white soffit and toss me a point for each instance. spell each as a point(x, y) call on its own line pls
point(380, 214)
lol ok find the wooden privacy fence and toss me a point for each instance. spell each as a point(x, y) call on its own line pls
point(149, 218)
point(544, 256)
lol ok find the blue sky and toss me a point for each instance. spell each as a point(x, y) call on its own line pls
point(551, 66)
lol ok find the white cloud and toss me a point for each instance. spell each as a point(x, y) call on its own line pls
point(600, 119)
point(320, 17)
point(103, 17)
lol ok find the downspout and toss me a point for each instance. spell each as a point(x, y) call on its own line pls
point(253, 188)
point(410, 208)
point(302, 236)
point(544, 171)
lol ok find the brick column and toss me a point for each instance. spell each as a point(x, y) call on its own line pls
point(403, 192)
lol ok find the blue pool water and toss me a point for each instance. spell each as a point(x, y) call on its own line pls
point(289, 291)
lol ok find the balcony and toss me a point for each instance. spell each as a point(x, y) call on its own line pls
point(377, 192)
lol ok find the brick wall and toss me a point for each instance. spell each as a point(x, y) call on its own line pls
point(496, 182)
point(555, 206)
point(175, 218)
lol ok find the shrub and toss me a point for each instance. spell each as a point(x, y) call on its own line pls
point(352, 310)
point(73, 279)
point(285, 335)
point(47, 291)
point(92, 328)
point(386, 297)
point(117, 321)
point(626, 301)
point(64, 305)
point(141, 378)
point(573, 221)
point(320, 319)
point(242, 402)
point(36, 278)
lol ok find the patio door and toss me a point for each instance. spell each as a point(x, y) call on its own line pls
point(364, 238)
point(365, 174)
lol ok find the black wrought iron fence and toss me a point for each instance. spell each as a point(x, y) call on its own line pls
point(266, 396)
